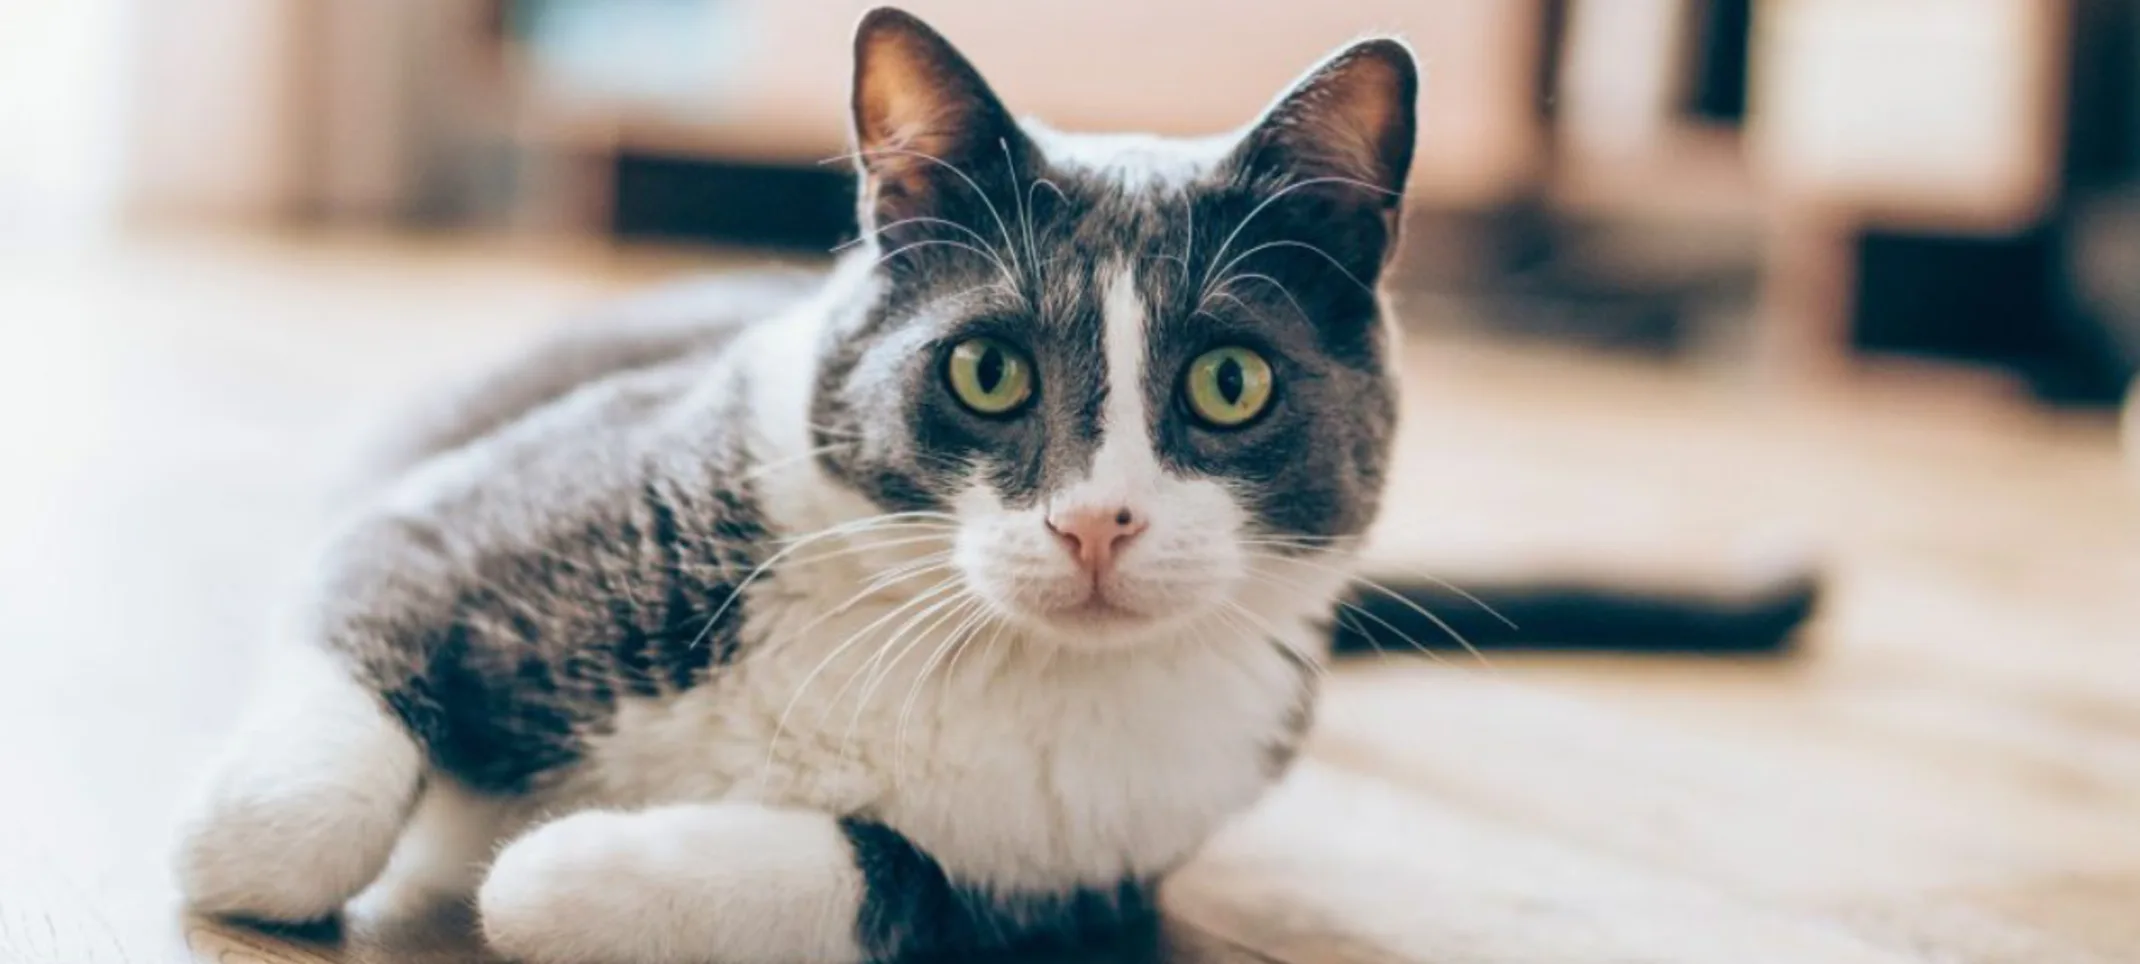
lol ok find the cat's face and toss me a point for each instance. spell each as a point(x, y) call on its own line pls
point(1149, 379)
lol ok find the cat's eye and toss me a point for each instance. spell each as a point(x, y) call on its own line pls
point(1228, 387)
point(989, 377)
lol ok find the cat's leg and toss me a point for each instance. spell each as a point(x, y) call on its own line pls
point(445, 848)
point(734, 883)
point(305, 806)
point(741, 883)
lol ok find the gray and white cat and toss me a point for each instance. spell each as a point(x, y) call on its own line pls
point(943, 605)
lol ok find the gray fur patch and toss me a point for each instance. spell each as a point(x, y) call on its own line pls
point(502, 622)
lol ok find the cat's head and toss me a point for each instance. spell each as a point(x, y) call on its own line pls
point(1149, 378)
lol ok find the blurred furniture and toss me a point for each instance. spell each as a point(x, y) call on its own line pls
point(1644, 229)
point(566, 112)
point(1903, 119)
point(2100, 240)
point(1804, 182)
point(1932, 178)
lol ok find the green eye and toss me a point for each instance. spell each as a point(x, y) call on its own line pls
point(1228, 386)
point(989, 377)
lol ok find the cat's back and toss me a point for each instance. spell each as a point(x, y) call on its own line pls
point(676, 325)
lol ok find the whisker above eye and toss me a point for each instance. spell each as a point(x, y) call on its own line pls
point(1291, 243)
point(1219, 290)
point(882, 229)
point(1025, 218)
point(1009, 280)
point(1266, 203)
point(971, 184)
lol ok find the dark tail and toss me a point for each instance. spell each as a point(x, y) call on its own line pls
point(1575, 616)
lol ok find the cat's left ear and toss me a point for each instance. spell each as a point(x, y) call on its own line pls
point(1344, 133)
point(931, 137)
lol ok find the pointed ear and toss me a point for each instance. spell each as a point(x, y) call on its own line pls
point(928, 131)
point(1344, 133)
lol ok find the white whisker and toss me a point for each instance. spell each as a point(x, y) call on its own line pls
point(847, 528)
point(1338, 544)
point(780, 725)
point(976, 614)
point(970, 183)
point(910, 635)
point(1219, 290)
point(1245, 618)
point(1009, 279)
point(1289, 243)
point(1025, 217)
point(762, 470)
point(1438, 622)
point(1267, 202)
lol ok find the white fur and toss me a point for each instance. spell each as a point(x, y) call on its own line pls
point(1134, 160)
point(445, 850)
point(1125, 469)
point(683, 884)
point(305, 807)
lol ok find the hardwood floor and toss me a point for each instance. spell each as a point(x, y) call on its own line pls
point(1950, 771)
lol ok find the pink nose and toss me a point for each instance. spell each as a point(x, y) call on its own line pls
point(1095, 534)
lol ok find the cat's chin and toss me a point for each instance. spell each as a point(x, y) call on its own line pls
point(1099, 625)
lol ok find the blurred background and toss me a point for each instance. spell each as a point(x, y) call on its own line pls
point(1687, 281)
point(1798, 183)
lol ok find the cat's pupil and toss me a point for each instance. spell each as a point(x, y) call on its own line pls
point(988, 372)
point(1232, 380)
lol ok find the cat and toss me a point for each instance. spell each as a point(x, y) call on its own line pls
point(947, 608)
point(941, 603)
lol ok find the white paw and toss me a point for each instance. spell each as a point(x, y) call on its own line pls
point(727, 883)
point(550, 893)
point(303, 810)
point(287, 854)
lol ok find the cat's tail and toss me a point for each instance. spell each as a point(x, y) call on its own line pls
point(1400, 612)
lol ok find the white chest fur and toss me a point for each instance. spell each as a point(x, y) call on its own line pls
point(1014, 765)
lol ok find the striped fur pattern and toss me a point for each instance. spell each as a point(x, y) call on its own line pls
point(722, 630)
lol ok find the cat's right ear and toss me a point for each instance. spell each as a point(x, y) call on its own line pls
point(929, 134)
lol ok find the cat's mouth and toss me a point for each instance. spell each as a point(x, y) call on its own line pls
point(1108, 615)
point(1097, 612)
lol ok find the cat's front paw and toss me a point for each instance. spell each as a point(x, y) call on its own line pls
point(305, 807)
point(726, 883)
